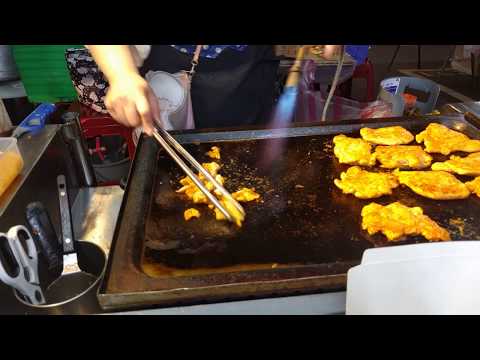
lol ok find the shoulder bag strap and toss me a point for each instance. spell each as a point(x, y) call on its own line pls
point(196, 56)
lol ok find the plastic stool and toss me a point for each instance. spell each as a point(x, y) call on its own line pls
point(429, 87)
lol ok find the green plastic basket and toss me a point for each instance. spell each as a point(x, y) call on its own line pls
point(44, 72)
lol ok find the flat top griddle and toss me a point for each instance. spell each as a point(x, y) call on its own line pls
point(303, 235)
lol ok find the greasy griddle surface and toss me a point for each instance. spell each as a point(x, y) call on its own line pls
point(314, 223)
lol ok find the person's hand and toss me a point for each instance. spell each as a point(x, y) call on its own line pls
point(132, 102)
point(331, 51)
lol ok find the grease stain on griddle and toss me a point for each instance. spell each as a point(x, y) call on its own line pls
point(459, 223)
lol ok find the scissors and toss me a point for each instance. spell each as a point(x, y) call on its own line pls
point(19, 264)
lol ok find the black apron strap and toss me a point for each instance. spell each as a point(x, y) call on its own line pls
point(236, 88)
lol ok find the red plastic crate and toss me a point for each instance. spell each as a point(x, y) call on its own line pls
point(94, 124)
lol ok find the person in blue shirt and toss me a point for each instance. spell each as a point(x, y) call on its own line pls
point(233, 84)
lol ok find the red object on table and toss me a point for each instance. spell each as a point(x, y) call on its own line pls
point(410, 101)
point(94, 124)
point(362, 71)
point(365, 71)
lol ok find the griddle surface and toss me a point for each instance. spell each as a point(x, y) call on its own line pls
point(292, 225)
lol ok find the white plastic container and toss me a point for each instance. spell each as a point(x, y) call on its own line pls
point(11, 162)
point(420, 279)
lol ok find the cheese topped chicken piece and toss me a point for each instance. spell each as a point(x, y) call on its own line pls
point(469, 165)
point(391, 135)
point(353, 151)
point(397, 221)
point(402, 157)
point(438, 138)
point(437, 185)
point(364, 184)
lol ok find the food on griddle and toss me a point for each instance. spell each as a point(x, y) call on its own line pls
point(245, 195)
point(391, 135)
point(211, 167)
point(440, 139)
point(396, 221)
point(364, 184)
point(214, 152)
point(232, 210)
point(437, 185)
point(402, 157)
point(191, 213)
point(469, 165)
point(353, 151)
point(220, 179)
point(193, 192)
point(474, 186)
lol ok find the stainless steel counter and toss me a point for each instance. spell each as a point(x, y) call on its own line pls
point(12, 90)
point(317, 304)
point(31, 148)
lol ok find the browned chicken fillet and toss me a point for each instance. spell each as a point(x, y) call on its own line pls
point(364, 184)
point(396, 221)
point(469, 165)
point(437, 185)
point(474, 186)
point(391, 135)
point(440, 139)
point(353, 151)
point(402, 157)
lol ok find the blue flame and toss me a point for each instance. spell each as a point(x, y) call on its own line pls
point(285, 109)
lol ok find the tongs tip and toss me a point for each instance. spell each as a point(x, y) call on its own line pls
point(234, 214)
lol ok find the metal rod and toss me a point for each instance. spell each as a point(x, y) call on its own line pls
point(334, 83)
point(186, 169)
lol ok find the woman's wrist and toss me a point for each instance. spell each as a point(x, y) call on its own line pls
point(123, 76)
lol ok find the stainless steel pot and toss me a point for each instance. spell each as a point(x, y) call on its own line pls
point(8, 69)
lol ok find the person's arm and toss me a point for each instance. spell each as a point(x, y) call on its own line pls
point(130, 100)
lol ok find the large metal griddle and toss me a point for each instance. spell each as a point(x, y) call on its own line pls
point(299, 239)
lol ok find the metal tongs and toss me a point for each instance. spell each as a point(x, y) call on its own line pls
point(165, 139)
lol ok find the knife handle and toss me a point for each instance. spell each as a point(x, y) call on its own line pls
point(44, 234)
point(65, 215)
